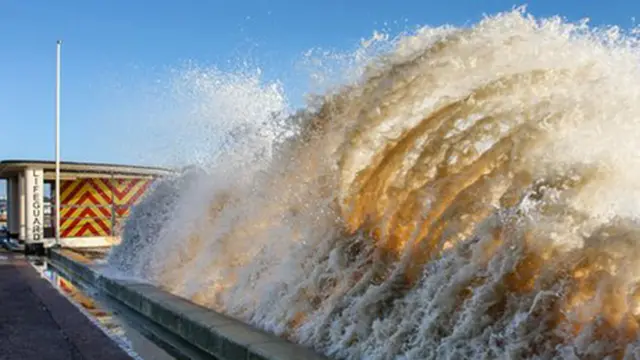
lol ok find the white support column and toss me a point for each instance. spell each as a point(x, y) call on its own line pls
point(22, 208)
point(9, 192)
point(34, 186)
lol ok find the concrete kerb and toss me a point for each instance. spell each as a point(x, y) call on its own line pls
point(216, 334)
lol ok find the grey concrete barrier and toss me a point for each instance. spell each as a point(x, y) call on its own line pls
point(216, 334)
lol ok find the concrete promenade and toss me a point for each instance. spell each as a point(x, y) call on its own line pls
point(37, 322)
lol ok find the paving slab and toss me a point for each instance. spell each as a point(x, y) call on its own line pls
point(37, 322)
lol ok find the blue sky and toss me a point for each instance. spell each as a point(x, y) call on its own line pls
point(115, 50)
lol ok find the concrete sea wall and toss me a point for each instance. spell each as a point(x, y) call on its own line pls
point(215, 334)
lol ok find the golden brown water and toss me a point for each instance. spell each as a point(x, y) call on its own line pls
point(474, 195)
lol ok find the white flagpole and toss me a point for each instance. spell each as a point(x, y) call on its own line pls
point(58, 44)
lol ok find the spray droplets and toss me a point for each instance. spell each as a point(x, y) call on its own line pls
point(471, 193)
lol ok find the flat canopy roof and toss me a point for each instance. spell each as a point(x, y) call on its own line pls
point(9, 168)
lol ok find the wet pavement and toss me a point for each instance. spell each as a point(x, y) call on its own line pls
point(37, 322)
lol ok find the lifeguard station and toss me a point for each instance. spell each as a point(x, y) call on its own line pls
point(94, 201)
